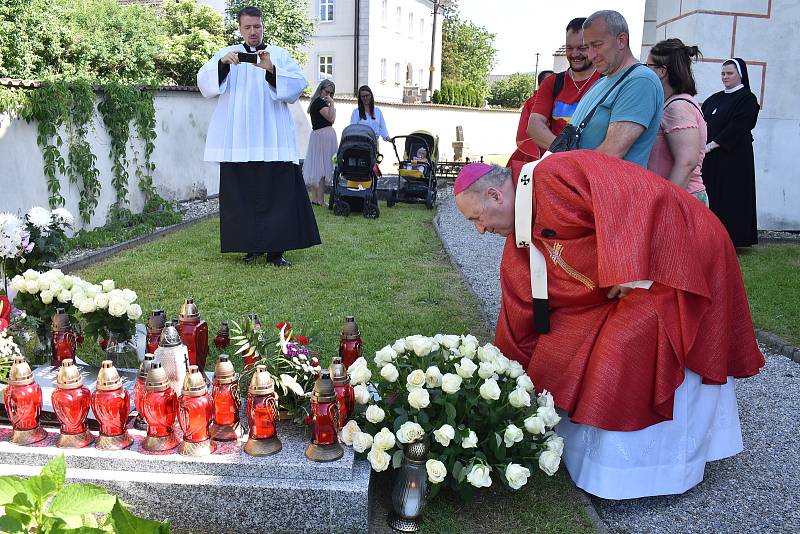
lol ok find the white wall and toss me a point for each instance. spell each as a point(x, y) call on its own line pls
point(759, 31)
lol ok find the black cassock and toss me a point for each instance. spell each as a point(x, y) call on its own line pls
point(729, 171)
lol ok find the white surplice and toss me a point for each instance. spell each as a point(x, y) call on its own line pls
point(252, 120)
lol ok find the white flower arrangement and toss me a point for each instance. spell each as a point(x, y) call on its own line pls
point(476, 410)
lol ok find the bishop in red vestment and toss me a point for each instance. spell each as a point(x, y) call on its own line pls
point(613, 356)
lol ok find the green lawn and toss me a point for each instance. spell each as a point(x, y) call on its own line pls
point(392, 274)
point(772, 276)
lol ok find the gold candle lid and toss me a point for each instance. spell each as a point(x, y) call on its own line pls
point(350, 328)
point(169, 336)
point(60, 320)
point(108, 378)
point(69, 376)
point(157, 379)
point(338, 372)
point(189, 311)
point(145, 366)
point(20, 373)
point(323, 388)
point(261, 383)
point(194, 385)
point(224, 373)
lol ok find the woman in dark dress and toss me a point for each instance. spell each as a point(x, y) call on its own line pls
point(729, 168)
point(322, 143)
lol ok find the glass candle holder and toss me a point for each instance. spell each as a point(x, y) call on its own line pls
point(227, 400)
point(111, 405)
point(195, 410)
point(138, 391)
point(410, 489)
point(324, 446)
point(71, 401)
point(223, 337)
point(345, 396)
point(262, 414)
point(23, 400)
point(63, 339)
point(350, 343)
point(160, 407)
point(155, 324)
point(194, 333)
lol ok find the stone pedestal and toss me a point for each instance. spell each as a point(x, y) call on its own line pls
point(227, 491)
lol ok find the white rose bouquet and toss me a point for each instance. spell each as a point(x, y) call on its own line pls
point(477, 411)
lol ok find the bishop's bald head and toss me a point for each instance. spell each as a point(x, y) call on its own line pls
point(485, 196)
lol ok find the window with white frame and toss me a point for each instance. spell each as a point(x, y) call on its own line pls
point(383, 70)
point(326, 10)
point(325, 67)
point(421, 29)
point(384, 11)
point(410, 25)
point(399, 18)
point(397, 73)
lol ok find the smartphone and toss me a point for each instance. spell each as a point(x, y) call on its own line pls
point(245, 57)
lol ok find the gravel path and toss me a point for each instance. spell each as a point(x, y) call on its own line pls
point(756, 491)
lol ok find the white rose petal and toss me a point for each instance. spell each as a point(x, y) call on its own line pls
point(18, 283)
point(108, 286)
point(64, 296)
point(422, 346)
point(471, 441)
point(383, 440)
point(555, 443)
point(451, 383)
point(515, 370)
point(545, 399)
point(87, 306)
point(348, 431)
point(512, 435)
point(101, 301)
point(519, 398)
point(117, 306)
point(415, 379)
point(437, 471)
point(390, 373)
point(30, 274)
point(433, 377)
point(534, 425)
point(469, 345)
point(490, 390)
point(466, 368)
point(548, 415)
point(450, 341)
point(419, 398)
point(549, 462)
point(409, 432)
point(517, 475)
point(486, 370)
point(501, 364)
point(378, 459)
point(444, 435)
point(488, 353)
point(46, 296)
point(375, 414)
point(129, 295)
point(399, 346)
point(134, 312)
point(479, 476)
point(361, 393)
point(384, 356)
point(525, 383)
point(360, 375)
point(361, 441)
point(32, 286)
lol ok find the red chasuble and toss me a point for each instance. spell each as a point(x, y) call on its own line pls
point(615, 364)
point(527, 149)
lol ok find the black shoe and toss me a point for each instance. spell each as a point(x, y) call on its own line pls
point(250, 257)
point(280, 261)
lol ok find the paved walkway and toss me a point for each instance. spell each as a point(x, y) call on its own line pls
point(756, 491)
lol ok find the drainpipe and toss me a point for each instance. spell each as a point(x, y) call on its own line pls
point(356, 38)
point(433, 49)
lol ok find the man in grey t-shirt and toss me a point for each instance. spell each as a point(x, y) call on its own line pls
point(626, 123)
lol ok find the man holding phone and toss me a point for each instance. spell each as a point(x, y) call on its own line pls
point(264, 207)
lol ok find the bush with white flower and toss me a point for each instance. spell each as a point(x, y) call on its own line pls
point(476, 410)
point(34, 241)
point(288, 357)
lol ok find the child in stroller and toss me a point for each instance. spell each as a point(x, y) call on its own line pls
point(420, 161)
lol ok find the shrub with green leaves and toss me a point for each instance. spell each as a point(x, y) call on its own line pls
point(44, 504)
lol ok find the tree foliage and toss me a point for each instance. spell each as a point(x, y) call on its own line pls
point(286, 23)
point(513, 91)
point(468, 53)
point(196, 33)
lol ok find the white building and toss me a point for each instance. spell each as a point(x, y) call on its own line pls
point(385, 44)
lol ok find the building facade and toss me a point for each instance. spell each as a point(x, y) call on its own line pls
point(385, 44)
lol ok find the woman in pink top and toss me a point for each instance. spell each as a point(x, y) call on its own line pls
point(679, 149)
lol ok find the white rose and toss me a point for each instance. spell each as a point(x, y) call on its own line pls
point(409, 432)
point(389, 372)
point(469, 344)
point(383, 440)
point(501, 364)
point(384, 356)
point(486, 370)
point(399, 346)
point(107, 285)
point(375, 414)
point(534, 425)
point(32, 286)
point(471, 441)
point(450, 341)
point(444, 435)
point(30, 274)
point(348, 431)
point(422, 346)
point(56, 286)
point(43, 284)
point(117, 306)
point(515, 370)
point(419, 398)
point(555, 443)
point(46, 296)
point(453, 354)
point(93, 290)
point(519, 398)
point(512, 435)
point(64, 296)
point(360, 362)
point(548, 415)
point(361, 393)
point(466, 368)
point(67, 282)
point(436, 471)
point(77, 299)
point(129, 295)
point(545, 399)
point(488, 353)
point(549, 462)
point(517, 475)
point(451, 383)
point(479, 476)
point(433, 377)
point(525, 383)
point(378, 459)
point(490, 390)
point(415, 379)
point(101, 301)
point(134, 312)
point(359, 375)
point(87, 306)
point(361, 441)
point(18, 283)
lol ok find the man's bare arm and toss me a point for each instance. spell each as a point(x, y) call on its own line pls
point(619, 138)
point(540, 131)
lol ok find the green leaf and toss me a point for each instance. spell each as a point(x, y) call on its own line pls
point(450, 410)
point(458, 467)
point(56, 470)
point(124, 521)
point(41, 487)
point(9, 486)
point(80, 499)
point(399, 422)
point(397, 459)
point(422, 418)
point(11, 525)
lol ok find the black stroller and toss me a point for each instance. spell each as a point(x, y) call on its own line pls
point(355, 186)
point(417, 169)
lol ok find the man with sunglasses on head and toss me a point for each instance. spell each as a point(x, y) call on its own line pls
point(558, 96)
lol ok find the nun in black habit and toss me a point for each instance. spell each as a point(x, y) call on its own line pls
point(729, 168)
